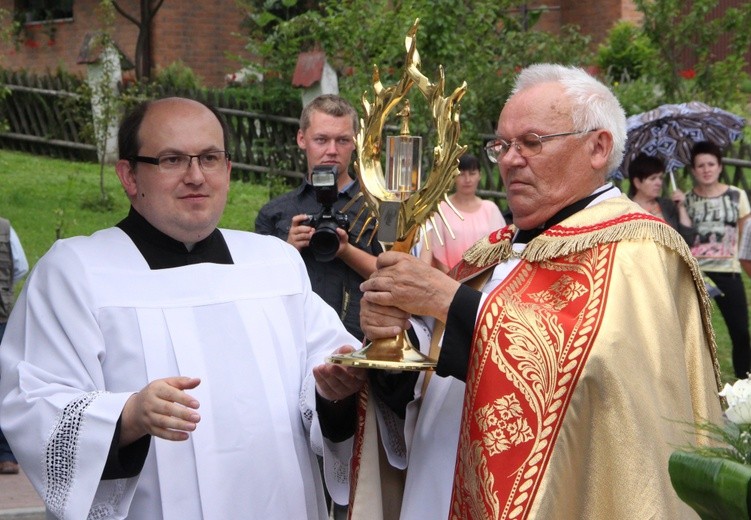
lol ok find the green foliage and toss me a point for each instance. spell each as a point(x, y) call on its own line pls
point(277, 184)
point(6, 26)
point(637, 96)
point(28, 22)
point(716, 488)
point(174, 79)
point(675, 27)
point(643, 64)
point(627, 53)
point(273, 95)
point(102, 202)
point(731, 441)
point(177, 76)
point(481, 42)
point(721, 82)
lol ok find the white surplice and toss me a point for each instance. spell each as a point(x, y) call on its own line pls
point(425, 442)
point(94, 324)
point(433, 434)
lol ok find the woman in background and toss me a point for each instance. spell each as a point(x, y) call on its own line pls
point(647, 175)
point(718, 213)
point(480, 217)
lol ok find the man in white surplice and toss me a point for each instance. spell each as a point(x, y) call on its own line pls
point(118, 337)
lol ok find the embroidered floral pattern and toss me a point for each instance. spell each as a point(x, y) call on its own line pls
point(531, 343)
point(502, 424)
point(565, 290)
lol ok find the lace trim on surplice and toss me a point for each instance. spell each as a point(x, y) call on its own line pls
point(307, 397)
point(62, 453)
point(104, 510)
point(395, 428)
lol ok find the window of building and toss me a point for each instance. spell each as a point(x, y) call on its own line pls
point(30, 11)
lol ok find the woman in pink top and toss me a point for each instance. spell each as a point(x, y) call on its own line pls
point(480, 217)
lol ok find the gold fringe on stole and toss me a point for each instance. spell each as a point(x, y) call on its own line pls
point(560, 240)
point(484, 253)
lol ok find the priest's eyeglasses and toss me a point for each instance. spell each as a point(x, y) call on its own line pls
point(527, 145)
point(209, 162)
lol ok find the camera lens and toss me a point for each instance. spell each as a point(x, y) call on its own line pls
point(325, 242)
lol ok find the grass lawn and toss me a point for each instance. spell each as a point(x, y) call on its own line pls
point(48, 198)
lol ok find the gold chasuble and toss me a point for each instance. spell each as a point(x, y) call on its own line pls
point(588, 364)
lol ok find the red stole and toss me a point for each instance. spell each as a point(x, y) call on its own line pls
point(530, 345)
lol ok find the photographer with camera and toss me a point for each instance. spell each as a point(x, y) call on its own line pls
point(311, 217)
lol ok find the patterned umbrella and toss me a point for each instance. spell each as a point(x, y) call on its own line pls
point(669, 132)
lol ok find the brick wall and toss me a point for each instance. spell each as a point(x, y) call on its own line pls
point(39, 53)
point(594, 18)
point(550, 21)
point(629, 12)
point(200, 34)
point(203, 34)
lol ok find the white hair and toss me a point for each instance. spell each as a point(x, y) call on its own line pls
point(593, 105)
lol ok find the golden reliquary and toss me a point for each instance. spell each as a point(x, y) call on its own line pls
point(399, 201)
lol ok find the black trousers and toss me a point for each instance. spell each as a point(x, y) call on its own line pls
point(734, 309)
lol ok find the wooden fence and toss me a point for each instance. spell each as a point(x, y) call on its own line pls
point(46, 115)
point(261, 144)
point(51, 115)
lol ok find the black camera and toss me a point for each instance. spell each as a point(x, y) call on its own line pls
point(325, 242)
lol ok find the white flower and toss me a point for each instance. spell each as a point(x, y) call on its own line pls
point(739, 401)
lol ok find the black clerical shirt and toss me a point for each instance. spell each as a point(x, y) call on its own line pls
point(162, 251)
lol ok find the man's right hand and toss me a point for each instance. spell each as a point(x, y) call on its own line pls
point(413, 286)
point(378, 321)
point(337, 382)
point(299, 234)
point(162, 409)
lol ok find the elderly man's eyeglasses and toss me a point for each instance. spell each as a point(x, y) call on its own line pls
point(527, 145)
point(209, 162)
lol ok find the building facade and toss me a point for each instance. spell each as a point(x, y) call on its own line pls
point(206, 35)
point(202, 35)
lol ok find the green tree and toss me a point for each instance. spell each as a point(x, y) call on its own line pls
point(481, 42)
point(676, 27)
point(105, 102)
point(627, 52)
